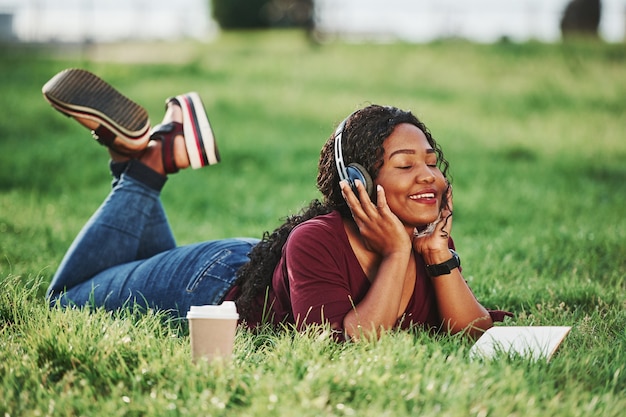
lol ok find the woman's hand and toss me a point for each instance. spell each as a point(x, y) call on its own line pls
point(434, 248)
point(381, 230)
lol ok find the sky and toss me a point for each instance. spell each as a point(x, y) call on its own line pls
point(109, 20)
point(410, 20)
point(479, 20)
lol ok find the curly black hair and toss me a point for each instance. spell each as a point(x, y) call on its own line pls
point(363, 135)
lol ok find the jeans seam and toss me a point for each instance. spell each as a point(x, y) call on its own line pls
point(205, 272)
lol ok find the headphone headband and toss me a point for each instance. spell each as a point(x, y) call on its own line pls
point(341, 165)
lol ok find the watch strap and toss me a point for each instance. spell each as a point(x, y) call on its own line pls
point(444, 268)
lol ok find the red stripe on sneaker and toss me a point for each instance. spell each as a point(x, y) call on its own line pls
point(196, 130)
point(189, 109)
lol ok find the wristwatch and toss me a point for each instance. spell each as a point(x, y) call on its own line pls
point(446, 267)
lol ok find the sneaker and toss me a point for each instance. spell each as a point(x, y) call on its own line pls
point(116, 121)
point(196, 130)
point(199, 137)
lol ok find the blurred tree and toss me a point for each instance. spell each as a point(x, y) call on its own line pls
point(248, 14)
point(239, 14)
point(581, 18)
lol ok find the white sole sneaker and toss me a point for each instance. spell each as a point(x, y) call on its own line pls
point(199, 137)
point(123, 124)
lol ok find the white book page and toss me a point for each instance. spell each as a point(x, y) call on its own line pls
point(533, 342)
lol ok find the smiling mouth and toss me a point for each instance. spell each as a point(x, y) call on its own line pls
point(422, 196)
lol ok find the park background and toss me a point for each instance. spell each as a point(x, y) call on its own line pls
point(379, 20)
point(533, 129)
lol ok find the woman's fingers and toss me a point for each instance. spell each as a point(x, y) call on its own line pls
point(438, 239)
point(349, 196)
point(381, 198)
point(361, 205)
point(444, 228)
point(448, 205)
point(381, 229)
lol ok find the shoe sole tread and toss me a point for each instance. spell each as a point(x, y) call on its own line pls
point(77, 92)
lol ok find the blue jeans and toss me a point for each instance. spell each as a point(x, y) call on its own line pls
point(126, 255)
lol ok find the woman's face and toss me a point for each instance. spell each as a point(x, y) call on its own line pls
point(413, 184)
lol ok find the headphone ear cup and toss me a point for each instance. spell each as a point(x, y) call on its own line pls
point(358, 172)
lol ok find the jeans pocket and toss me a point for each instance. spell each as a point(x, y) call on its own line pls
point(220, 272)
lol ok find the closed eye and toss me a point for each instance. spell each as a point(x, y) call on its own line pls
point(432, 162)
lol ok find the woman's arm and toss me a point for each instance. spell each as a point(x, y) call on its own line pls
point(459, 309)
point(378, 310)
point(384, 234)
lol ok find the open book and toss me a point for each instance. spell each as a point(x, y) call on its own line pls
point(533, 342)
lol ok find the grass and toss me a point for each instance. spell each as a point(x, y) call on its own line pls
point(534, 136)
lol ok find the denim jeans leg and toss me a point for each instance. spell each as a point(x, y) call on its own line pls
point(173, 280)
point(122, 230)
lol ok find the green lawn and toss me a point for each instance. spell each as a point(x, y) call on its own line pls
point(535, 137)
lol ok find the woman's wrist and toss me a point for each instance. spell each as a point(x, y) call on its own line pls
point(437, 256)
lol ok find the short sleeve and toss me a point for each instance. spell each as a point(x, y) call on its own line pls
point(318, 266)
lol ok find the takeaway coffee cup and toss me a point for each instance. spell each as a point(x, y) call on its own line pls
point(212, 330)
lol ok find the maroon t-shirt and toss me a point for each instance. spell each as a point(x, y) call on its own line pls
point(319, 280)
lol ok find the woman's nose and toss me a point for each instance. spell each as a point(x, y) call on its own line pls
point(425, 175)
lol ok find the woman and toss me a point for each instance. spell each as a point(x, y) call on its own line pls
point(357, 260)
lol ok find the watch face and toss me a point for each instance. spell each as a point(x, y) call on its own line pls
point(456, 258)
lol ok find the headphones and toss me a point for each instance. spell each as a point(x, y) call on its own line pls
point(353, 171)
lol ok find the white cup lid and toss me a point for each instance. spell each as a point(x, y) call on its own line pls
point(226, 310)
